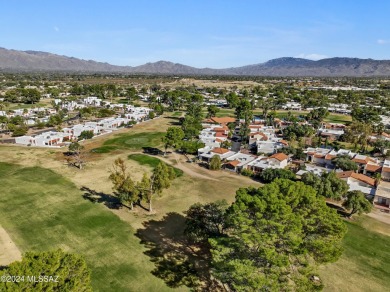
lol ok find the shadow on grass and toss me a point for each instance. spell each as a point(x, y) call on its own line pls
point(175, 121)
point(340, 210)
point(152, 151)
point(98, 197)
point(177, 262)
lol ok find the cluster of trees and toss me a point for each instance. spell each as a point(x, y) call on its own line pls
point(131, 192)
point(23, 95)
point(296, 131)
point(269, 239)
point(59, 271)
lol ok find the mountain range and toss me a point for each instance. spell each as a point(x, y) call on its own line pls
point(36, 61)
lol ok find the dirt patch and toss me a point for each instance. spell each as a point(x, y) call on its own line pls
point(9, 252)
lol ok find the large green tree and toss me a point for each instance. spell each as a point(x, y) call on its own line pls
point(215, 163)
point(271, 174)
point(53, 270)
point(356, 202)
point(278, 233)
point(345, 163)
point(123, 184)
point(212, 110)
point(205, 221)
point(151, 186)
point(173, 138)
point(327, 185)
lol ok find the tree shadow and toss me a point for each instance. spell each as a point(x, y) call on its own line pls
point(152, 151)
point(340, 210)
point(98, 197)
point(177, 261)
point(175, 121)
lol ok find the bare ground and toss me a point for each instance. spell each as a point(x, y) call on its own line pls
point(9, 252)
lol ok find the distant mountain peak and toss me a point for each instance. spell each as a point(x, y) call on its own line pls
point(13, 60)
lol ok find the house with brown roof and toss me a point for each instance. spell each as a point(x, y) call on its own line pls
point(278, 160)
point(223, 153)
point(238, 161)
point(358, 182)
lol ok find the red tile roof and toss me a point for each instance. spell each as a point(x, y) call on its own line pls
point(234, 163)
point(279, 156)
point(219, 134)
point(358, 176)
point(330, 156)
point(373, 167)
point(265, 138)
point(220, 150)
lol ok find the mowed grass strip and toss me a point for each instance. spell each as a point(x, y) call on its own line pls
point(131, 141)
point(364, 265)
point(42, 210)
point(151, 161)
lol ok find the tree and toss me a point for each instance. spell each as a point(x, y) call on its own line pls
point(277, 235)
point(215, 163)
point(84, 135)
point(53, 270)
point(123, 185)
point(366, 115)
point(78, 154)
point(191, 147)
point(357, 203)
point(345, 163)
point(317, 114)
point(172, 138)
point(19, 131)
point(160, 180)
point(270, 174)
point(205, 221)
point(327, 185)
point(212, 110)
point(358, 133)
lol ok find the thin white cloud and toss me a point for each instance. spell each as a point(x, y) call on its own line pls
point(314, 57)
point(383, 42)
point(56, 28)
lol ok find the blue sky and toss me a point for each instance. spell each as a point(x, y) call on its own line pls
point(213, 33)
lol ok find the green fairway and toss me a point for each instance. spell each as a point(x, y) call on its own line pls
point(151, 161)
point(331, 118)
point(131, 141)
point(364, 265)
point(41, 211)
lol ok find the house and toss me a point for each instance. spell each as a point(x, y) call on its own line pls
point(382, 195)
point(358, 182)
point(318, 155)
point(371, 169)
point(257, 136)
point(238, 161)
point(270, 146)
point(385, 174)
point(92, 100)
point(314, 169)
point(278, 160)
point(362, 161)
point(46, 139)
point(223, 153)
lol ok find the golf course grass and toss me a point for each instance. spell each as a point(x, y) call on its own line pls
point(131, 141)
point(41, 211)
point(151, 161)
